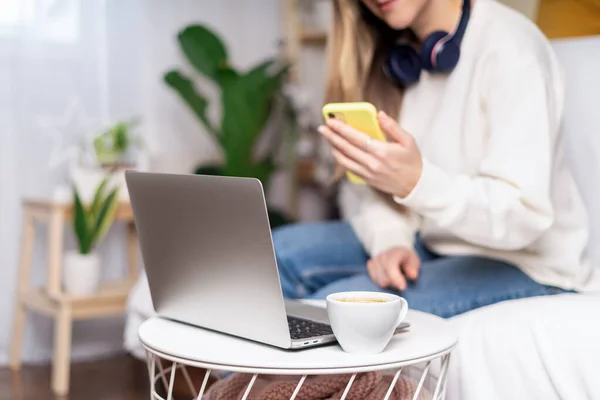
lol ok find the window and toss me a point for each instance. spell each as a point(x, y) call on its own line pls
point(54, 21)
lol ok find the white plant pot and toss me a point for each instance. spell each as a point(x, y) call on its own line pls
point(81, 273)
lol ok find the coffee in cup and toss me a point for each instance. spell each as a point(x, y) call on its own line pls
point(361, 300)
point(364, 322)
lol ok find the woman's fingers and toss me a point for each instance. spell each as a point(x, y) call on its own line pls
point(348, 148)
point(388, 266)
point(411, 265)
point(391, 127)
point(357, 138)
point(376, 273)
point(350, 164)
point(394, 267)
point(395, 276)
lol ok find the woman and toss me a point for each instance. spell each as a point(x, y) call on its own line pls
point(470, 202)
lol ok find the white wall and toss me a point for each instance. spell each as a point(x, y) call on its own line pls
point(114, 70)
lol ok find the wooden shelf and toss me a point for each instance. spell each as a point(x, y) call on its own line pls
point(306, 172)
point(52, 300)
point(313, 37)
point(111, 299)
point(42, 209)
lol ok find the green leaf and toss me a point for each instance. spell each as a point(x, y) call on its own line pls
point(209, 170)
point(259, 72)
point(194, 100)
point(247, 106)
point(275, 84)
point(96, 202)
point(204, 49)
point(105, 217)
point(277, 218)
point(80, 224)
point(240, 126)
point(261, 170)
point(120, 137)
point(226, 75)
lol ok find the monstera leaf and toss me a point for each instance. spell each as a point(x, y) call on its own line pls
point(204, 49)
point(246, 97)
point(247, 105)
point(194, 100)
point(216, 170)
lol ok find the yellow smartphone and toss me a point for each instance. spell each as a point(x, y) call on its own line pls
point(361, 116)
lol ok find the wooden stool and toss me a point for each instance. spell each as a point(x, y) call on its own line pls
point(50, 300)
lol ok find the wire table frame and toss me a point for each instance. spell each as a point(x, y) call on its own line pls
point(421, 355)
point(165, 375)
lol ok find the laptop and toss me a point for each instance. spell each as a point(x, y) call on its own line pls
point(209, 257)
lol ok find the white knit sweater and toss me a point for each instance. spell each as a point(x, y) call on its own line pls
point(495, 182)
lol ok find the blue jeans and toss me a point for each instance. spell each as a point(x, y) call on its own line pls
point(316, 259)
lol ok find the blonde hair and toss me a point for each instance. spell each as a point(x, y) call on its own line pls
point(357, 48)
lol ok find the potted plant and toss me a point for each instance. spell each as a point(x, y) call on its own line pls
point(249, 99)
point(81, 274)
point(113, 153)
point(114, 147)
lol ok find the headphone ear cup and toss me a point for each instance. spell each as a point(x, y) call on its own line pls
point(428, 47)
point(447, 57)
point(403, 65)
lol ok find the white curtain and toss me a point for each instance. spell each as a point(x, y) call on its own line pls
point(69, 68)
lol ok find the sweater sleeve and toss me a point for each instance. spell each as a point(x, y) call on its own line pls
point(506, 205)
point(379, 225)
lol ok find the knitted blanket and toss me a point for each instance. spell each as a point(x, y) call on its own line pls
point(366, 386)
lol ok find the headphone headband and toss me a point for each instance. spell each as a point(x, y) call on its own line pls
point(455, 37)
point(459, 33)
point(439, 53)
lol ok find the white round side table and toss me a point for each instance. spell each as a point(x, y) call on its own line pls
point(429, 339)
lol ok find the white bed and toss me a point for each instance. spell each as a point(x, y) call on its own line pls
point(542, 348)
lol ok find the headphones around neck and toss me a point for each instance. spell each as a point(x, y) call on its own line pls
point(440, 53)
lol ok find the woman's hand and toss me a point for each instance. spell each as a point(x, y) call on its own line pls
point(392, 167)
point(390, 268)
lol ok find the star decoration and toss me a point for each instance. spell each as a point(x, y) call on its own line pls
point(70, 134)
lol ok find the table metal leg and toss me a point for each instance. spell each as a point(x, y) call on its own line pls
point(298, 387)
point(172, 381)
point(250, 386)
point(188, 380)
point(151, 372)
point(422, 381)
point(163, 374)
point(204, 383)
point(348, 386)
point(440, 392)
point(393, 385)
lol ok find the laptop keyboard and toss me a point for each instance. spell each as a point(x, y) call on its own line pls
point(303, 329)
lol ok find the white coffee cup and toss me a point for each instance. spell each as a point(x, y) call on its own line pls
point(365, 327)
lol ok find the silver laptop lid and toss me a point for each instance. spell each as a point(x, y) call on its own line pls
point(208, 253)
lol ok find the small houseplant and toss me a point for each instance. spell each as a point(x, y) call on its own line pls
point(249, 100)
point(81, 275)
point(114, 147)
point(113, 152)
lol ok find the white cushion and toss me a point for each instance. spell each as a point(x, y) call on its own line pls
point(538, 348)
point(580, 59)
